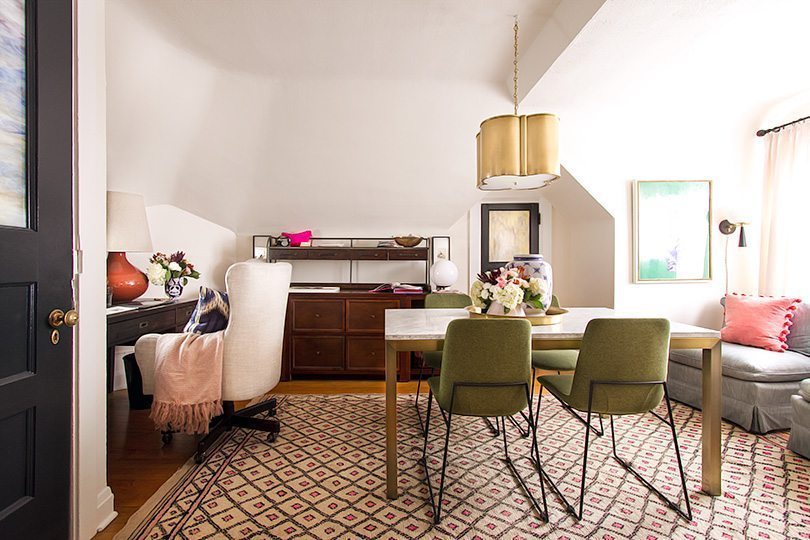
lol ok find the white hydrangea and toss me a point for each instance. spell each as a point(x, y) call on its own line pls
point(537, 286)
point(510, 296)
point(156, 274)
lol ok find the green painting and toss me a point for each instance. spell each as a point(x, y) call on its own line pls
point(672, 230)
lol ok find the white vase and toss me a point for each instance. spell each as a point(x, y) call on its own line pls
point(496, 308)
point(536, 267)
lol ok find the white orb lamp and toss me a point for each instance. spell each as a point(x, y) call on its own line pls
point(443, 273)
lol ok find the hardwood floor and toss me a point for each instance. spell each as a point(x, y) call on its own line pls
point(138, 463)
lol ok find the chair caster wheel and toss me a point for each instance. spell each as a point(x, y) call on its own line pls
point(198, 458)
point(166, 437)
point(271, 438)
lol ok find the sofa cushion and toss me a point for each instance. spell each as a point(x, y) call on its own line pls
point(804, 389)
point(751, 364)
point(799, 338)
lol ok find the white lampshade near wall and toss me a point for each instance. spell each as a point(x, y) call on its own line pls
point(443, 273)
point(127, 231)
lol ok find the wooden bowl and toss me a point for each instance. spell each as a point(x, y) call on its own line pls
point(408, 241)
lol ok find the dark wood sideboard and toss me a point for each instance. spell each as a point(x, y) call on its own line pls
point(125, 328)
point(341, 334)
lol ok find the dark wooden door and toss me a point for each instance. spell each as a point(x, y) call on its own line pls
point(36, 267)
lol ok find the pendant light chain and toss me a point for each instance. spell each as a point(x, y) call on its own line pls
point(515, 93)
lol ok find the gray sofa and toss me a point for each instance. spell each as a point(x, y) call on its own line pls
point(757, 384)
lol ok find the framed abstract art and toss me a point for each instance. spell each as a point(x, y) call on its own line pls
point(508, 230)
point(672, 239)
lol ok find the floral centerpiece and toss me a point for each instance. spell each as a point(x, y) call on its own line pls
point(172, 271)
point(508, 292)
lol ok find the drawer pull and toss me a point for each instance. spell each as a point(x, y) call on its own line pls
point(143, 324)
point(317, 315)
point(373, 316)
point(317, 353)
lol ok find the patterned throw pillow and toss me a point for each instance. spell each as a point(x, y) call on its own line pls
point(211, 313)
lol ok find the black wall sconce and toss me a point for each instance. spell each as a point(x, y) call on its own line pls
point(727, 227)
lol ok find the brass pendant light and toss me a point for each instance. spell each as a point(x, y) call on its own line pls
point(518, 152)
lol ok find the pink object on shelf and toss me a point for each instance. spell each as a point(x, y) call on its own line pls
point(759, 321)
point(297, 238)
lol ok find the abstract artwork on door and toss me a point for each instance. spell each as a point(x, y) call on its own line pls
point(13, 196)
point(507, 230)
point(672, 230)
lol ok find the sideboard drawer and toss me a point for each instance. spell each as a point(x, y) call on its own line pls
point(370, 254)
point(184, 314)
point(130, 330)
point(326, 254)
point(365, 353)
point(316, 353)
point(287, 253)
point(408, 254)
point(368, 315)
point(318, 315)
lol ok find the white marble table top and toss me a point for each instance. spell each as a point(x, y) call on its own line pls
point(431, 324)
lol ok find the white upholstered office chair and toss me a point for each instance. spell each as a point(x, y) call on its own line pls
point(251, 364)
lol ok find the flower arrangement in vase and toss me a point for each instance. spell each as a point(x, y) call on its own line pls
point(172, 271)
point(509, 292)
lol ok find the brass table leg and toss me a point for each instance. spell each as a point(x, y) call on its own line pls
point(390, 421)
point(712, 393)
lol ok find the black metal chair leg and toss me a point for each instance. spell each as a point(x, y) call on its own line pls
point(544, 475)
point(629, 468)
point(495, 429)
point(543, 512)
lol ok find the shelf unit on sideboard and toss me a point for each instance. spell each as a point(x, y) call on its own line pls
point(354, 252)
point(342, 334)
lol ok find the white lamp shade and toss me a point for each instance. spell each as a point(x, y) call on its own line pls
point(127, 226)
point(443, 273)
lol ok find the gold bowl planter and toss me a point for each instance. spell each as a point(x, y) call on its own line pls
point(552, 316)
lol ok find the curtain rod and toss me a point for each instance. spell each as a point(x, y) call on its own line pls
point(763, 132)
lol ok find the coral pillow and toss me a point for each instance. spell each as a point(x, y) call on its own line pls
point(297, 238)
point(762, 322)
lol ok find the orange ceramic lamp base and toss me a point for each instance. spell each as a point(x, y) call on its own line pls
point(126, 281)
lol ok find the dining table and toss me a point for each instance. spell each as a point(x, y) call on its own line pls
point(424, 330)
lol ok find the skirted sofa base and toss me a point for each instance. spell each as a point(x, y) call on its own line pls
point(757, 384)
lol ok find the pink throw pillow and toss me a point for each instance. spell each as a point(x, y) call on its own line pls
point(759, 321)
point(297, 238)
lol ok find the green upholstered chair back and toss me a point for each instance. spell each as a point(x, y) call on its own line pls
point(447, 300)
point(628, 350)
point(486, 351)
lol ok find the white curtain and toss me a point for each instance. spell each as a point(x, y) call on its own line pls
point(785, 257)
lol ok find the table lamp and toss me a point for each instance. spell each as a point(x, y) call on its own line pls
point(127, 231)
point(443, 273)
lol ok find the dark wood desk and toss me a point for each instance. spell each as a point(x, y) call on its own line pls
point(126, 327)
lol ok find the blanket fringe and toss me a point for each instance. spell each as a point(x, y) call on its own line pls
point(191, 418)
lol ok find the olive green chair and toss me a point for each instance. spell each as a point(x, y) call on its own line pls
point(486, 370)
point(433, 359)
point(621, 370)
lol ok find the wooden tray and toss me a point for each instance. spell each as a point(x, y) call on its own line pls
point(553, 316)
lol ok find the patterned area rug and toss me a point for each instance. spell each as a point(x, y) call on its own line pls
point(324, 478)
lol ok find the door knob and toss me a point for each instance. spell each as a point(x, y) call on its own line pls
point(58, 317)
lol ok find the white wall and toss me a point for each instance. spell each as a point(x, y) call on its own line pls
point(662, 89)
point(92, 500)
point(210, 247)
point(584, 235)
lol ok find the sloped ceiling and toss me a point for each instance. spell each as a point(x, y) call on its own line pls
point(345, 116)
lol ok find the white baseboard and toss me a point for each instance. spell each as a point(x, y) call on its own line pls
point(105, 508)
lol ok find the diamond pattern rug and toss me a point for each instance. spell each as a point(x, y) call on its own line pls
point(325, 478)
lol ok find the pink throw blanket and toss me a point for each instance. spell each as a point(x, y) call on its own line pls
point(188, 381)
